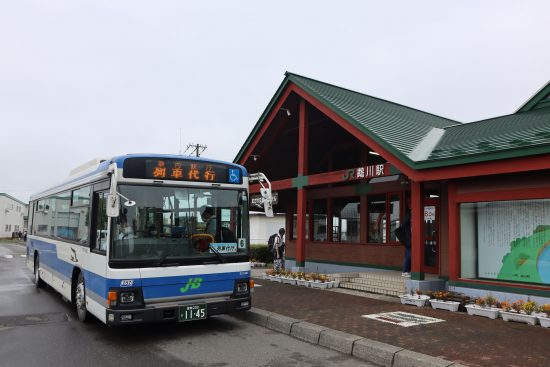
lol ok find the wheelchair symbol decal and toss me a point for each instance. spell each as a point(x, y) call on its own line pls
point(234, 175)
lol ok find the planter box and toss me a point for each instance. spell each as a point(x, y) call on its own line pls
point(319, 285)
point(544, 321)
point(302, 283)
point(445, 305)
point(289, 281)
point(489, 312)
point(418, 301)
point(519, 317)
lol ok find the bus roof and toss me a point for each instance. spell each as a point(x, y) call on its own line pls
point(103, 165)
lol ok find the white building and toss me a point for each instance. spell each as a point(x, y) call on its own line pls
point(13, 213)
point(261, 227)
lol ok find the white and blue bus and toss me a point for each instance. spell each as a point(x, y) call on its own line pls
point(146, 238)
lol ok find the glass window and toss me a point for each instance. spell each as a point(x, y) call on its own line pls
point(79, 216)
point(395, 210)
point(60, 215)
point(346, 220)
point(319, 220)
point(506, 240)
point(294, 223)
point(377, 218)
point(101, 222)
point(181, 224)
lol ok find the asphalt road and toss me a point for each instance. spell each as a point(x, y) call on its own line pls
point(38, 328)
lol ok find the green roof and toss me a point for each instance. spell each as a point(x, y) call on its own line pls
point(513, 132)
point(423, 140)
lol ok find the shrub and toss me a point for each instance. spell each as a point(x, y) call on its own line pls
point(261, 253)
point(529, 307)
point(545, 308)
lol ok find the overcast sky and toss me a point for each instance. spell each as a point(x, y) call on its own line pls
point(86, 79)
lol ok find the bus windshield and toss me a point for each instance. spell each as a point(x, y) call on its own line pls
point(170, 225)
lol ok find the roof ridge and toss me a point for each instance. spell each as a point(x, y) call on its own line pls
point(290, 74)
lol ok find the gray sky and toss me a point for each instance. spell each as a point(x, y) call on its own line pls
point(86, 79)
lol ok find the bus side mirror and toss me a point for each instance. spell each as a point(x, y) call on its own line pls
point(113, 205)
point(268, 201)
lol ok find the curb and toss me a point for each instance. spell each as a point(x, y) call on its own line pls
point(372, 351)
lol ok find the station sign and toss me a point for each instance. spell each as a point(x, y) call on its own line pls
point(365, 172)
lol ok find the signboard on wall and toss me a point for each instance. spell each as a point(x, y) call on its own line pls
point(365, 172)
point(513, 239)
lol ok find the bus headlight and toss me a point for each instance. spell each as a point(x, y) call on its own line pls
point(242, 288)
point(127, 297)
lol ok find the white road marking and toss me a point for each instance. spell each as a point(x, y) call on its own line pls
point(8, 256)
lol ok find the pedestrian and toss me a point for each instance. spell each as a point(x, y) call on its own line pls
point(25, 236)
point(20, 234)
point(404, 236)
point(279, 251)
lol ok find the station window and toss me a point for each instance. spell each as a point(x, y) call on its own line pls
point(377, 218)
point(320, 220)
point(346, 220)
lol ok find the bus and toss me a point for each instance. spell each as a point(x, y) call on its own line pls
point(146, 238)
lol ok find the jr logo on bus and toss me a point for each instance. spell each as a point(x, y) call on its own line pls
point(193, 283)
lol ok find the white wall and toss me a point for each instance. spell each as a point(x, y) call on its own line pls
point(11, 213)
point(261, 227)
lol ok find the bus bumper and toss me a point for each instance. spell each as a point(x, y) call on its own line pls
point(170, 313)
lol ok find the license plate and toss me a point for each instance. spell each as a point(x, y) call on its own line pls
point(192, 312)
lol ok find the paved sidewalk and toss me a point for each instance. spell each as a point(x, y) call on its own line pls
point(468, 340)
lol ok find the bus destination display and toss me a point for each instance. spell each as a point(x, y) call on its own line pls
point(181, 170)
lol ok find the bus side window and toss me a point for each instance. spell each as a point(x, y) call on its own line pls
point(100, 222)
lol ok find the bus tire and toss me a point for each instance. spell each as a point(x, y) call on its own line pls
point(80, 299)
point(38, 282)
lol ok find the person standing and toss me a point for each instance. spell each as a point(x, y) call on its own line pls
point(279, 251)
point(407, 243)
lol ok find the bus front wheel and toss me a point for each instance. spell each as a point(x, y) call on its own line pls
point(37, 281)
point(80, 299)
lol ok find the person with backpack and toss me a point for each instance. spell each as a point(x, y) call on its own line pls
point(279, 250)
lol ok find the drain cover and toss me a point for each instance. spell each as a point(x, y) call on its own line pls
point(404, 319)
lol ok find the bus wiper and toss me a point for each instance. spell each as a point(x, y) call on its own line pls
point(163, 258)
point(215, 250)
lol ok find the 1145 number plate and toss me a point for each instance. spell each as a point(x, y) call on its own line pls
point(192, 312)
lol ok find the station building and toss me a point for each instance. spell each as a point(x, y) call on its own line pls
point(347, 165)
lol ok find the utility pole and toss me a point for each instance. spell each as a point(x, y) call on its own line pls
point(195, 148)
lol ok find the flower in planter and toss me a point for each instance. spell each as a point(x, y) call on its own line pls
point(506, 306)
point(529, 307)
point(480, 301)
point(517, 306)
point(441, 295)
point(545, 308)
point(491, 301)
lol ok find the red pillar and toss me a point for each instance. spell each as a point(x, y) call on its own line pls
point(453, 231)
point(301, 199)
point(417, 224)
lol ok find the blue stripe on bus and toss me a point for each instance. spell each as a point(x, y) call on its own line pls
point(157, 287)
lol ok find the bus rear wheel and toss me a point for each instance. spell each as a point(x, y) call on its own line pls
point(80, 299)
point(37, 281)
